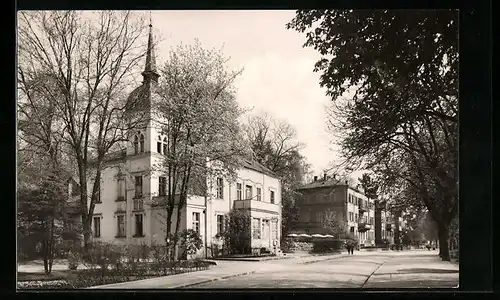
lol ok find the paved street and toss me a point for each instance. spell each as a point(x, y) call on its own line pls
point(409, 269)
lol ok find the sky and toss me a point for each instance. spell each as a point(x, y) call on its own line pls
point(277, 76)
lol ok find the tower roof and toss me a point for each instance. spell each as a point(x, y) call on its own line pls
point(150, 72)
point(140, 98)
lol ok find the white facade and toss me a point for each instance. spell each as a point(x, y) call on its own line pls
point(361, 215)
point(118, 179)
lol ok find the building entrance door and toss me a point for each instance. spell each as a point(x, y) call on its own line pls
point(267, 233)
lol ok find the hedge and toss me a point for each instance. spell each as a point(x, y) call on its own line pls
point(323, 246)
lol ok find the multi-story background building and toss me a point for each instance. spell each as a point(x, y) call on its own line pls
point(132, 183)
point(388, 226)
point(330, 198)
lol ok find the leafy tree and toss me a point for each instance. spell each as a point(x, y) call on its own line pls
point(191, 241)
point(41, 208)
point(429, 228)
point(393, 75)
point(236, 233)
point(369, 186)
point(412, 236)
point(380, 51)
point(77, 64)
point(197, 111)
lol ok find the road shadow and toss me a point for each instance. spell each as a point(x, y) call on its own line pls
point(426, 270)
point(412, 284)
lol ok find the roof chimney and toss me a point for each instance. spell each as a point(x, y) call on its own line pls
point(334, 176)
point(315, 178)
point(346, 182)
point(324, 177)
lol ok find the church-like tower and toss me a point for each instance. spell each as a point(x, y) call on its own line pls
point(139, 107)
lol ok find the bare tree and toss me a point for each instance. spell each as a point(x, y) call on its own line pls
point(81, 62)
point(334, 225)
point(274, 144)
point(273, 141)
point(42, 170)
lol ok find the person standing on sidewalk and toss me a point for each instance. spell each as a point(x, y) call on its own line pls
point(350, 247)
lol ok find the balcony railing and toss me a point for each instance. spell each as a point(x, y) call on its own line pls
point(254, 204)
point(362, 227)
point(139, 204)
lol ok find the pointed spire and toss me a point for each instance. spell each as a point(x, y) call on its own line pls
point(150, 72)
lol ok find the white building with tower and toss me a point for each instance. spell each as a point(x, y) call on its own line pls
point(130, 183)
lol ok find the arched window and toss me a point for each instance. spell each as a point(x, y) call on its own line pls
point(142, 143)
point(165, 146)
point(158, 145)
point(136, 144)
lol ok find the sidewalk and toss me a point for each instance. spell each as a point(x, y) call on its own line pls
point(415, 269)
point(223, 270)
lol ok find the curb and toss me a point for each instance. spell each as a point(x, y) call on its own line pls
point(211, 280)
point(252, 260)
point(318, 260)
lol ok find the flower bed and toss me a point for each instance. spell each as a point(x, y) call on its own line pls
point(44, 284)
point(95, 276)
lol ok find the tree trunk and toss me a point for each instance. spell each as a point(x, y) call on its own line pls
point(51, 246)
point(44, 249)
point(86, 234)
point(176, 233)
point(444, 251)
point(45, 256)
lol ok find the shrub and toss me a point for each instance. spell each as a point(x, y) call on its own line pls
point(158, 253)
point(73, 261)
point(236, 233)
point(324, 246)
point(303, 246)
point(191, 241)
point(103, 255)
point(288, 246)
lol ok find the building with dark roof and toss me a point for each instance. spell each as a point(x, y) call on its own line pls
point(133, 186)
point(329, 197)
